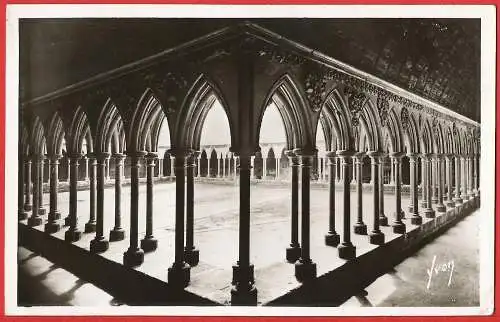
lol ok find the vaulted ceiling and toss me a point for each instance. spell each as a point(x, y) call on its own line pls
point(436, 58)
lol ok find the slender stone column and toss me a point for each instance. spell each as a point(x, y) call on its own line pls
point(440, 207)
point(218, 174)
point(149, 242)
point(118, 233)
point(476, 174)
point(179, 274)
point(332, 238)
point(277, 174)
point(360, 227)
point(35, 219)
point(449, 199)
point(471, 177)
point(198, 173)
point(264, 168)
point(41, 209)
point(428, 211)
point(376, 236)
point(134, 256)
point(294, 250)
point(90, 226)
point(463, 177)
point(458, 199)
point(73, 233)
point(100, 243)
point(21, 212)
point(107, 170)
point(423, 168)
point(86, 178)
point(244, 290)
point(27, 183)
point(68, 170)
point(160, 168)
point(191, 253)
point(252, 168)
point(383, 220)
point(392, 172)
point(398, 226)
point(346, 249)
point(172, 166)
point(305, 268)
point(224, 167)
point(416, 219)
point(208, 167)
point(53, 225)
point(435, 178)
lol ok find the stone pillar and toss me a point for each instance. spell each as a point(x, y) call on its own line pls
point(21, 190)
point(449, 199)
point(293, 251)
point(27, 183)
point(179, 274)
point(218, 174)
point(53, 225)
point(471, 177)
point(35, 219)
point(398, 226)
point(428, 211)
point(199, 167)
point(392, 172)
point(191, 253)
point(423, 168)
point(118, 233)
point(252, 167)
point(73, 233)
point(208, 167)
point(416, 219)
point(346, 249)
point(360, 227)
point(277, 174)
point(264, 168)
point(90, 226)
point(305, 268)
point(160, 168)
point(41, 209)
point(383, 221)
point(435, 178)
point(463, 176)
point(100, 243)
point(244, 290)
point(332, 238)
point(149, 242)
point(107, 170)
point(458, 199)
point(134, 256)
point(440, 207)
point(172, 166)
point(476, 176)
point(223, 167)
point(376, 236)
point(86, 178)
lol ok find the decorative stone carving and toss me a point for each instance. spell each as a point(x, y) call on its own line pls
point(405, 118)
point(383, 108)
point(315, 88)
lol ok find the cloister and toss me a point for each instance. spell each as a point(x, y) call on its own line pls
point(378, 138)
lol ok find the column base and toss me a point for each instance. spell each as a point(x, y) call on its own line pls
point(399, 228)
point(458, 200)
point(99, 245)
point(416, 219)
point(192, 256)
point(441, 208)
point(377, 238)
point(67, 220)
point(42, 211)
point(149, 244)
point(305, 270)
point(402, 214)
point(347, 251)
point(116, 234)
point(383, 221)
point(22, 215)
point(410, 209)
point(244, 295)
point(52, 227)
point(34, 221)
point(429, 213)
point(360, 229)
point(90, 227)
point(243, 274)
point(293, 253)
point(435, 200)
point(332, 239)
point(72, 235)
point(28, 207)
point(450, 204)
point(55, 215)
point(179, 275)
point(133, 257)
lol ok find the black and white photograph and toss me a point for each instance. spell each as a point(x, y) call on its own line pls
point(305, 160)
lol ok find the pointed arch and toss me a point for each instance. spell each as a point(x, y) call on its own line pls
point(393, 129)
point(78, 131)
point(108, 123)
point(55, 135)
point(334, 112)
point(370, 121)
point(37, 137)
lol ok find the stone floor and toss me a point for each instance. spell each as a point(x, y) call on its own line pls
point(216, 233)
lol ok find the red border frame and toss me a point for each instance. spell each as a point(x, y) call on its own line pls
point(494, 317)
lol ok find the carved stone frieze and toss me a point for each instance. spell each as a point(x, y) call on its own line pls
point(405, 118)
point(383, 108)
point(315, 89)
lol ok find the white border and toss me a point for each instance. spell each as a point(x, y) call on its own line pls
point(488, 117)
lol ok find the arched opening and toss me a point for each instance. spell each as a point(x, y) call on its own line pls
point(165, 162)
point(272, 134)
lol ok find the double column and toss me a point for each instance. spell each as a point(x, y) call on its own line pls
point(416, 219)
point(53, 225)
point(27, 184)
point(398, 226)
point(427, 167)
point(360, 227)
point(100, 243)
point(346, 249)
point(73, 233)
point(449, 180)
point(383, 220)
point(118, 233)
point(90, 226)
point(458, 198)
point(305, 268)
point(440, 207)
point(22, 191)
point(35, 219)
point(293, 251)
point(332, 238)
point(376, 236)
point(149, 242)
point(191, 253)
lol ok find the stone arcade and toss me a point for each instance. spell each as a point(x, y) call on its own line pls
point(117, 117)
